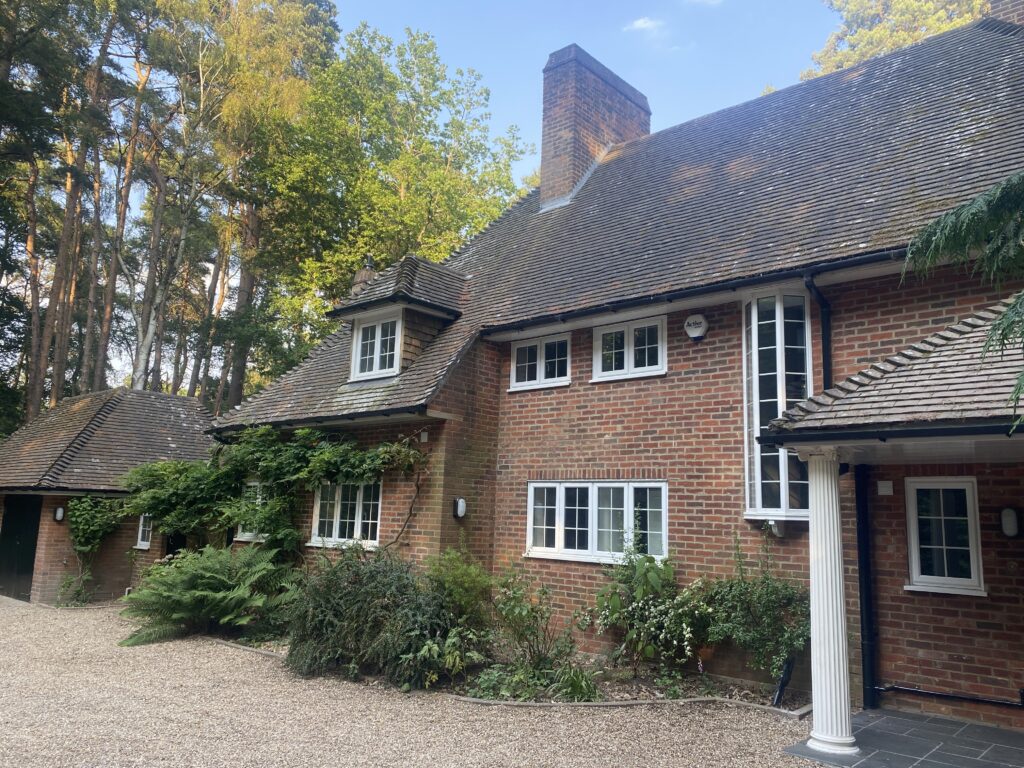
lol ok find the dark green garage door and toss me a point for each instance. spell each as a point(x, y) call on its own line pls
point(19, 530)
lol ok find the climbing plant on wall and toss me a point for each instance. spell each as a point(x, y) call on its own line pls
point(90, 521)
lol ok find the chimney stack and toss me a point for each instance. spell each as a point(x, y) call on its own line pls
point(587, 108)
point(362, 277)
point(1008, 10)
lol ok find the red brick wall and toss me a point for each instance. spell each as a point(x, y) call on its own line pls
point(952, 643)
point(1008, 10)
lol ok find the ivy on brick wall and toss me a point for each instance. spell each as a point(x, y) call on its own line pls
point(90, 521)
point(204, 500)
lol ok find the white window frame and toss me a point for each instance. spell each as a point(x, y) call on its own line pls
point(592, 554)
point(945, 584)
point(631, 371)
point(140, 542)
point(316, 540)
point(541, 381)
point(252, 536)
point(377, 320)
point(751, 416)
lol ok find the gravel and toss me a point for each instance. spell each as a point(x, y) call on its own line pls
point(69, 696)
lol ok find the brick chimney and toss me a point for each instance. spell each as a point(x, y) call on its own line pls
point(587, 108)
point(1008, 10)
point(362, 277)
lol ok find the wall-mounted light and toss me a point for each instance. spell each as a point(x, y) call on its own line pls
point(696, 327)
point(777, 527)
point(58, 514)
point(459, 508)
point(1010, 521)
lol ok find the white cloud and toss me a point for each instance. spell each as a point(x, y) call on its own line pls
point(645, 24)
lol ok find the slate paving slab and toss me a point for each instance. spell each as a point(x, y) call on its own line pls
point(890, 739)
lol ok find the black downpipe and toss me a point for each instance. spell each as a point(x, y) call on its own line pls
point(868, 628)
point(784, 678)
point(826, 329)
point(955, 696)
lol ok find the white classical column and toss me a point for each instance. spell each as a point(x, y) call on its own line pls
point(830, 677)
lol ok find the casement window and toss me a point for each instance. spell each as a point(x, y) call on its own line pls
point(541, 363)
point(777, 373)
point(944, 535)
point(345, 513)
point(145, 535)
point(596, 521)
point(252, 494)
point(630, 350)
point(376, 347)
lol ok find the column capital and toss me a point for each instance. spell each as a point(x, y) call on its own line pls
point(830, 452)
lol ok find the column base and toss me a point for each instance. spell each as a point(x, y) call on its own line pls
point(833, 745)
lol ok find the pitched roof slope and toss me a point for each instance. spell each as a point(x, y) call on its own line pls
point(850, 163)
point(414, 280)
point(945, 379)
point(89, 442)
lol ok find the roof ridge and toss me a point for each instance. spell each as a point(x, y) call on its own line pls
point(76, 443)
point(911, 354)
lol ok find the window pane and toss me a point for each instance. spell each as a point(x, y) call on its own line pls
point(325, 515)
point(645, 346)
point(954, 502)
point(771, 494)
point(544, 512)
point(958, 563)
point(386, 355)
point(766, 362)
point(370, 518)
point(611, 509)
point(577, 518)
point(932, 562)
point(347, 511)
point(793, 309)
point(648, 521)
point(928, 502)
point(613, 351)
point(145, 529)
point(526, 363)
point(367, 342)
point(556, 359)
point(929, 532)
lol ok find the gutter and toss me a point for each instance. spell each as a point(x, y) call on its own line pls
point(801, 273)
point(398, 297)
point(839, 436)
point(418, 410)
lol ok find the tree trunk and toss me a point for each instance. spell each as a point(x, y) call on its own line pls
point(99, 380)
point(204, 345)
point(157, 375)
point(246, 289)
point(66, 312)
point(32, 400)
point(86, 358)
point(147, 327)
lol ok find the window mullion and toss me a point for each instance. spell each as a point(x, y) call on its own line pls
point(754, 407)
point(560, 517)
point(592, 518)
point(336, 528)
point(780, 365)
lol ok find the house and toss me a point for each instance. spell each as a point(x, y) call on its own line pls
point(606, 365)
point(83, 447)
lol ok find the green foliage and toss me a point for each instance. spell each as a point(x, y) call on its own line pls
point(204, 500)
point(519, 681)
point(872, 28)
point(986, 237)
point(90, 521)
point(369, 612)
point(212, 591)
point(464, 584)
point(526, 622)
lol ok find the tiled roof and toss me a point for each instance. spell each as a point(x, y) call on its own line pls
point(89, 442)
point(843, 165)
point(412, 280)
point(946, 379)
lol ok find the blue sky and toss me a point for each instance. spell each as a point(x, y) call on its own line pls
point(689, 57)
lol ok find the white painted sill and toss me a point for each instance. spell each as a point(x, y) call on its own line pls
point(542, 385)
point(944, 590)
point(142, 547)
point(250, 538)
point(793, 516)
point(572, 557)
point(628, 376)
point(375, 376)
point(341, 543)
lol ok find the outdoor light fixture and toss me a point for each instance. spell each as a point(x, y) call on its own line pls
point(1010, 522)
point(58, 514)
point(696, 327)
point(459, 508)
point(777, 527)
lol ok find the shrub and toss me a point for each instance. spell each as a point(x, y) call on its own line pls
point(525, 622)
point(369, 612)
point(464, 584)
point(214, 591)
point(90, 521)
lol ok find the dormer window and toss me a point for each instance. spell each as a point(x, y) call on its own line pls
point(376, 347)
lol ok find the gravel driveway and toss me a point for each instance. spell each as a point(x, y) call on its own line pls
point(69, 696)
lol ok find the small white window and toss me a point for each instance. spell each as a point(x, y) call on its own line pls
point(631, 349)
point(944, 536)
point(541, 362)
point(346, 512)
point(777, 374)
point(596, 521)
point(376, 347)
point(253, 494)
point(145, 538)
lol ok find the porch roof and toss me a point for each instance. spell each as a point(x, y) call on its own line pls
point(950, 384)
